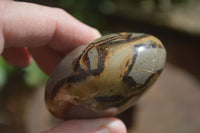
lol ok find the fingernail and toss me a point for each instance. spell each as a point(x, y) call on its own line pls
point(103, 131)
point(97, 34)
point(110, 128)
point(114, 125)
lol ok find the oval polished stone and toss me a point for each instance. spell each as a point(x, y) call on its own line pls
point(106, 77)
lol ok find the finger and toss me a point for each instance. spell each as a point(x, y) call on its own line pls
point(19, 57)
point(103, 125)
point(46, 58)
point(26, 24)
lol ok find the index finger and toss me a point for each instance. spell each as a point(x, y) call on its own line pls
point(26, 24)
point(49, 33)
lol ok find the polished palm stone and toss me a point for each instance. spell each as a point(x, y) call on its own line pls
point(105, 77)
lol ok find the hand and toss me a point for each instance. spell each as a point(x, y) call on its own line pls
point(103, 125)
point(47, 34)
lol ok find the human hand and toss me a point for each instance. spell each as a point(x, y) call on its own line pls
point(48, 34)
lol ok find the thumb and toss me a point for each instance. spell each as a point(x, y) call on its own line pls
point(102, 125)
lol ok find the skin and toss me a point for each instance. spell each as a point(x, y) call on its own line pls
point(29, 31)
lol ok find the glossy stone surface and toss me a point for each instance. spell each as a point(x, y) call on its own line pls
point(106, 77)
